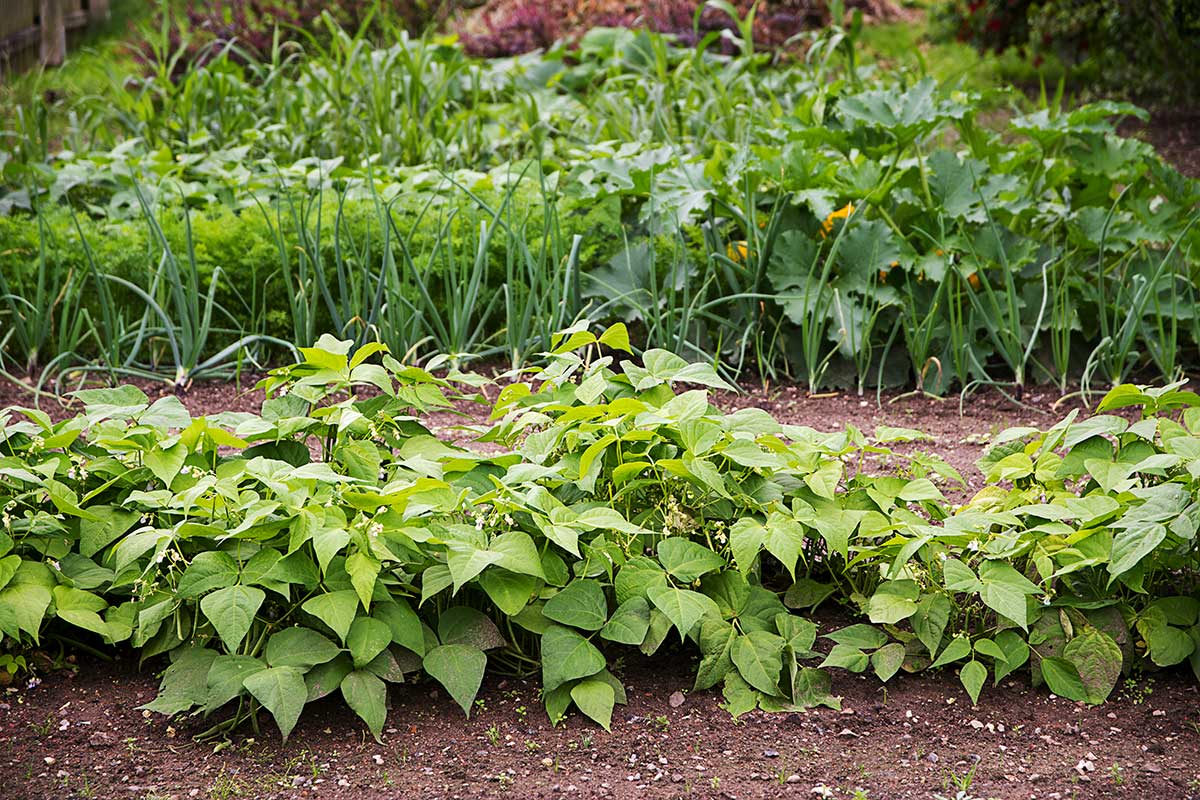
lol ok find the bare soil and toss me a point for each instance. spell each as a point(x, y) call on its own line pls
point(1175, 134)
point(959, 439)
point(79, 734)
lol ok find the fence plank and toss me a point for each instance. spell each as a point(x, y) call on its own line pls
point(54, 33)
point(17, 19)
point(97, 11)
point(24, 40)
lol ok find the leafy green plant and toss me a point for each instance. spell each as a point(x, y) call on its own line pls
point(179, 311)
point(1109, 47)
point(43, 320)
point(706, 192)
point(333, 544)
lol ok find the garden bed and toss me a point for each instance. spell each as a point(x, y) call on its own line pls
point(79, 733)
point(958, 438)
point(1027, 744)
point(898, 596)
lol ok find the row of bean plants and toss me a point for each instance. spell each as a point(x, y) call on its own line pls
point(335, 544)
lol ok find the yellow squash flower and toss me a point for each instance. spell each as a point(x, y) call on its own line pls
point(842, 213)
point(737, 252)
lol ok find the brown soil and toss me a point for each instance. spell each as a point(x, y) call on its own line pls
point(960, 440)
point(79, 733)
point(1175, 134)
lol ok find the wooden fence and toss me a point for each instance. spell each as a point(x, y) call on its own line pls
point(38, 31)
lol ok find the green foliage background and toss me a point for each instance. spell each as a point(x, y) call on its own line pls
point(1134, 49)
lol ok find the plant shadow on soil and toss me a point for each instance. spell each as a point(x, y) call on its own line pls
point(79, 733)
